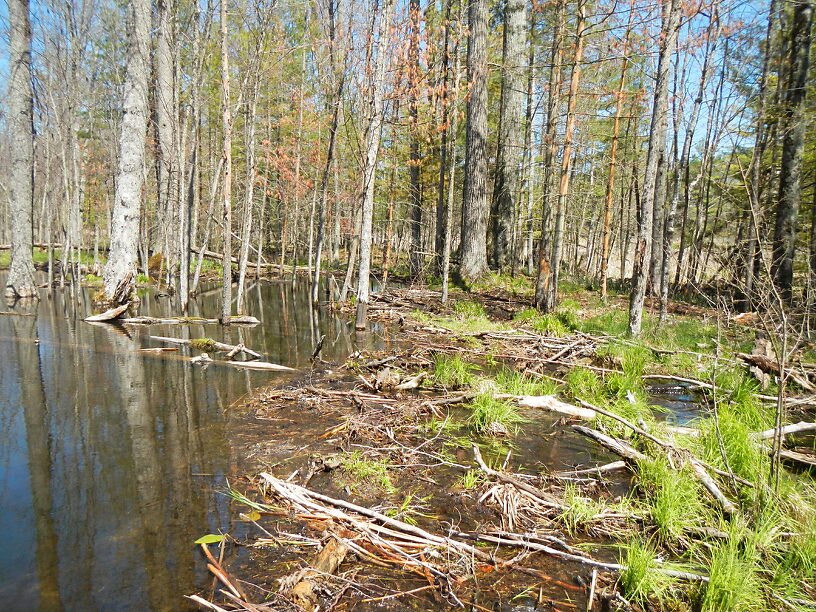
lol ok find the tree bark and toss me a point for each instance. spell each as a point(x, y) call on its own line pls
point(475, 206)
point(375, 121)
point(415, 248)
point(794, 121)
point(508, 154)
point(20, 280)
point(656, 151)
point(226, 156)
point(130, 175)
point(566, 162)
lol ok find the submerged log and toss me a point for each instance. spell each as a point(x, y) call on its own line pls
point(207, 344)
point(109, 315)
point(237, 320)
point(327, 561)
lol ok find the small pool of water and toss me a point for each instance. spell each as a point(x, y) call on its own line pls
point(112, 461)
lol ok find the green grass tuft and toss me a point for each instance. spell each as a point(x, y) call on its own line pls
point(370, 470)
point(452, 372)
point(489, 415)
point(639, 581)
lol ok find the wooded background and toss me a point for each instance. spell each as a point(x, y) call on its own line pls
point(667, 142)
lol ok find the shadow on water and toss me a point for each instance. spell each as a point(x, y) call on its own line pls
point(111, 460)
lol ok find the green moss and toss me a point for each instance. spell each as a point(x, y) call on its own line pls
point(205, 345)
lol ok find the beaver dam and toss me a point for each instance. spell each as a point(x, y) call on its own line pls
point(495, 458)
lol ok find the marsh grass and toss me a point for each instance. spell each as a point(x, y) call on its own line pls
point(368, 470)
point(514, 382)
point(490, 415)
point(733, 579)
point(453, 372)
point(565, 320)
point(471, 479)
point(639, 581)
point(673, 498)
point(580, 510)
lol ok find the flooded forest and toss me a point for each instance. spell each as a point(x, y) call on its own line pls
point(363, 305)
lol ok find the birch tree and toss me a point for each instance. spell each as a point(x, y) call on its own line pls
point(118, 275)
point(654, 157)
point(20, 280)
point(372, 147)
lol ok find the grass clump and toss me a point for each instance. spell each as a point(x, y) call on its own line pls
point(514, 382)
point(471, 479)
point(492, 416)
point(672, 498)
point(580, 510)
point(562, 322)
point(733, 582)
point(453, 372)
point(470, 310)
point(368, 470)
point(639, 581)
point(205, 345)
point(584, 384)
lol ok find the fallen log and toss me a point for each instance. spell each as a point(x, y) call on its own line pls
point(207, 345)
point(625, 450)
point(793, 428)
point(257, 365)
point(766, 364)
point(237, 320)
point(109, 315)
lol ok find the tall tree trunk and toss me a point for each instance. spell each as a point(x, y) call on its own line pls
point(457, 76)
point(339, 81)
point(121, 264)
point(167, 131)
point(20, 280)
point(439, 240)
point(683, 162)
point(508, 154)
point(656, 153)
point(566, 161)
point(415, 248)
point(372, 136)
point(613, 154)
point(226, 155)
point(790, 176)
point(550, 145)
point(475, 206)
point(248, 197)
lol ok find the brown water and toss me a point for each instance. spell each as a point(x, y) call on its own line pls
point(112, 462)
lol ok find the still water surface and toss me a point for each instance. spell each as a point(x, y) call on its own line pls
point(112, 461)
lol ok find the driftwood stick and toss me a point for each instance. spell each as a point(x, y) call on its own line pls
point(218, 346)
point(544, 498)
point(237, 320)
point(785, 431)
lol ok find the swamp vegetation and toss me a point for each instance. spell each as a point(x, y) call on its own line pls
point(501, 458)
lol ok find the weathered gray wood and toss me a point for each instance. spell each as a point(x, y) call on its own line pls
point(110, 314)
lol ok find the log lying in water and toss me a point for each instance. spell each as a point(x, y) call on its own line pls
point(109, 315)
point(206, 344)
point(327, 561)
point(258, 365)
point(238, 320)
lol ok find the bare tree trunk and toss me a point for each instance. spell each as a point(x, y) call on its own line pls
point(613, 155)
point(375, 121)
point(324, 181)
point(657, 145)
point(415, 248)
point(508, 154)
point(794, 121)
point(226, 155)
point(20, 280)
point(457, 76)
point(566, 161)
point(248, 198)
point(682, 165)
point(167, 131)
point(550, 145)
point(121, 263)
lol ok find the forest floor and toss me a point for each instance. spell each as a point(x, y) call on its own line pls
point(496, 458)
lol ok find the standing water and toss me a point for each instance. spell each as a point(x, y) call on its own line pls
point(112, 460)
